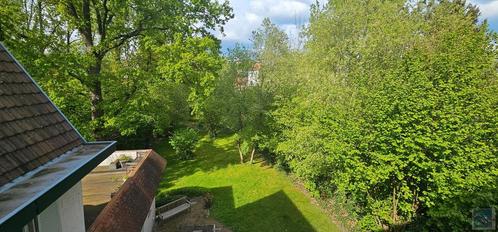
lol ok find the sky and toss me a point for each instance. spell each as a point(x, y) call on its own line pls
point(291, 14)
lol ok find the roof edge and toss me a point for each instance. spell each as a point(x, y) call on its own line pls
point(137, 192)
point(18, 219)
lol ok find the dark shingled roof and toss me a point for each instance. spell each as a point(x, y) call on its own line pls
point(128, 209)
point(32, 130)
point(41, 154)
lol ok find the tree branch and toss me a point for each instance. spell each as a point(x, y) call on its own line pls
point(121, 39)
point(85, 29)
point(87, 23)
point(100, 21)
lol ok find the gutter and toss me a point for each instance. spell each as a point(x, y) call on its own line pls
point(22, 215)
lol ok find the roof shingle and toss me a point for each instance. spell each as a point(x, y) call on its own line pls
point(128, 209)
point(32, 130)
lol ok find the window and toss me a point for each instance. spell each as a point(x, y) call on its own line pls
point(32, 226)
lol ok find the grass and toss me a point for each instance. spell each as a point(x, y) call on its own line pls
point(246, 197)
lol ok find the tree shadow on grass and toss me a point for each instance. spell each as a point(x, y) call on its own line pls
point(207, 158)
point(275, 212)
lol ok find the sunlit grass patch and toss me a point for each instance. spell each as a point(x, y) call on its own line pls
point(246, 197)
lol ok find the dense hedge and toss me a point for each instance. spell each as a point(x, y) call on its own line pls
point(396, 109)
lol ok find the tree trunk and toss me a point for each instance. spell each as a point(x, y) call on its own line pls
point(240, 153)
point(40, 18)
point(96, 97)
point(395, 207)
point(252, 154)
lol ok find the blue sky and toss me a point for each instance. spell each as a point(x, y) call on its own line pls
point(290, 14)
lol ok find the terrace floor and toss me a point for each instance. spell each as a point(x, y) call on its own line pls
point(98, 186)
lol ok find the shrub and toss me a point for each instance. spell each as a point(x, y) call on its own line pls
point(183, 142)
point(124, 158)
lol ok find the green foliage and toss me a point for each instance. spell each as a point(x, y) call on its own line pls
point(270, 43)
point(113, 66)
point(394, 106)
point(391, 105)
point(124, 158)
point(139, 103)
point(193, 62)
point(184, 141)
point(236, 106)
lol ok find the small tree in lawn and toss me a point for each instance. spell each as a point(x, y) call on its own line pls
point(183, 142)
point(236, 106)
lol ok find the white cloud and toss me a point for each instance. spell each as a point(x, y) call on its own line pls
point(280, 10)
point(290, 14)
point(489, 8)
point(489, 11)
point(253, 18)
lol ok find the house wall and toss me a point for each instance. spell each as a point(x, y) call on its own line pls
point(252, 78)
point(149, 221)
point(65, 214)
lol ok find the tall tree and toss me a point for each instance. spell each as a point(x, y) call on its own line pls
point(93, 29)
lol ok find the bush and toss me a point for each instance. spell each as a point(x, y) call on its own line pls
point(124, 158)
point(183, 142)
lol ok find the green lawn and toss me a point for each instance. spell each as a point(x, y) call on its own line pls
point(246, 197)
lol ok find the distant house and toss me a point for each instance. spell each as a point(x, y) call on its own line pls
point(43, 160)
point(253, 75)
point(252, 78)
